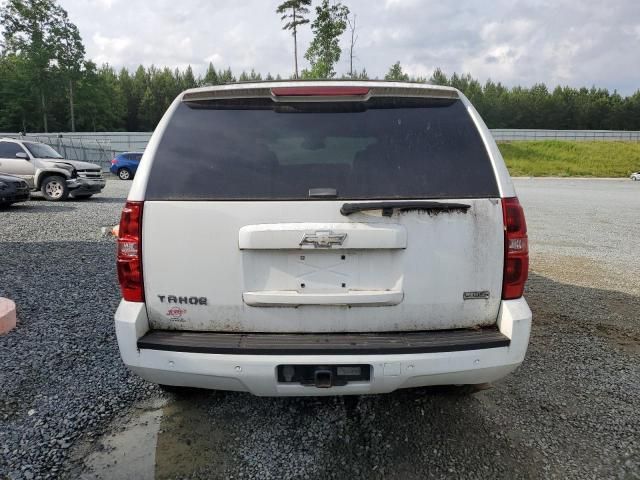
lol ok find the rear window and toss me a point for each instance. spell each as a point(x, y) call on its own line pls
point(258, 149)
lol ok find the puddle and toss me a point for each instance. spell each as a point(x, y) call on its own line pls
point(162, 438)
point(129, 453)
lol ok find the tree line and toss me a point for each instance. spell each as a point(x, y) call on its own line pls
point(47, 84)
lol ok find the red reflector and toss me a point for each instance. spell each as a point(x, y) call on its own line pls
point(130, 252)
point(335, 91)
point(516, 249)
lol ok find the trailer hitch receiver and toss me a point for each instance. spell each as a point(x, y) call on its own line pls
point(323, 378)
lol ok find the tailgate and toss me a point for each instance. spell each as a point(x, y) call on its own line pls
point(250, 267)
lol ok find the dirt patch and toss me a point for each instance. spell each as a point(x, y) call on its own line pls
point(584, 307)
point(581, 271)
point(626, 340)
point(189, 439)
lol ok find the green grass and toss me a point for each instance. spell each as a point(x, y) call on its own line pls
point(555, 158)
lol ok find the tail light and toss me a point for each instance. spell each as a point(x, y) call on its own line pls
point(113, 161)
point(333, 91)
point(516, 249)
point(130, 252)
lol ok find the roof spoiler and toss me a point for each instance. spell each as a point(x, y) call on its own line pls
point(319, 91)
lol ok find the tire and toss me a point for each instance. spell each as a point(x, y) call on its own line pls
point(124, 174)
point(83, 196)
point(5, 205)
point(54, 188)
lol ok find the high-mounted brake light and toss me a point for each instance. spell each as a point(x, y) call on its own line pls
point(335, 91)
point(130, 252)
point(516, 249)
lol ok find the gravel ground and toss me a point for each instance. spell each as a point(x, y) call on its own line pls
point(571, 411)
point(60, 375)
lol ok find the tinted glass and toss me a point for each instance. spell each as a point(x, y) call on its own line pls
point(40, 150)
point(9, 149)
point(262, 150)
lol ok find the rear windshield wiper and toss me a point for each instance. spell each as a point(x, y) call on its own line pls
point(402, 205)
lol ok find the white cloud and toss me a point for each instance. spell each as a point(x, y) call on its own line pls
point(112, 44)
point(399, 4)
point(105, 4)
point(110, 49)
point(215, 58)
point(576, 42)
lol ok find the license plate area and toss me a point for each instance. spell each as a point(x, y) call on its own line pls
point(323, 376)
point(324, 271)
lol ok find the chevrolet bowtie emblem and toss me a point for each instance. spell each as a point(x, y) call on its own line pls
point(323, 239)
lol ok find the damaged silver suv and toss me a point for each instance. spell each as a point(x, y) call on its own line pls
point(45, 170)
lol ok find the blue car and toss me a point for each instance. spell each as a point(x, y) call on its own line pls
point(125, 165)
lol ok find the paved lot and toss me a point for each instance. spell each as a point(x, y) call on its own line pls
point(69, 408)
point(584, 232)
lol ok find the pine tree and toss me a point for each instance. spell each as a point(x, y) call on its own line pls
point(294, 11)
point(188, 79)
point(395, 73)
point(211, 77)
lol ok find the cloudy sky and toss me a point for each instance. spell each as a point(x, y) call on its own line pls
point(568, 42)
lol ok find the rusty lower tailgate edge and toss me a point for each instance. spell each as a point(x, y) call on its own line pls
point(323, 343)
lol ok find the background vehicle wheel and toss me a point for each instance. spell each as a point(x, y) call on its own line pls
point(55, 188)
point(124, 174)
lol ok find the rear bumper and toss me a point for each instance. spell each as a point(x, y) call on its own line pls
point(327, 344)
point(257, 373)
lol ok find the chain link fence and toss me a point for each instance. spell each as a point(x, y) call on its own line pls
point(519, 135)
point(87, 148)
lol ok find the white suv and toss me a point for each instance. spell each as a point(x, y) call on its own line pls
point(322, 238)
